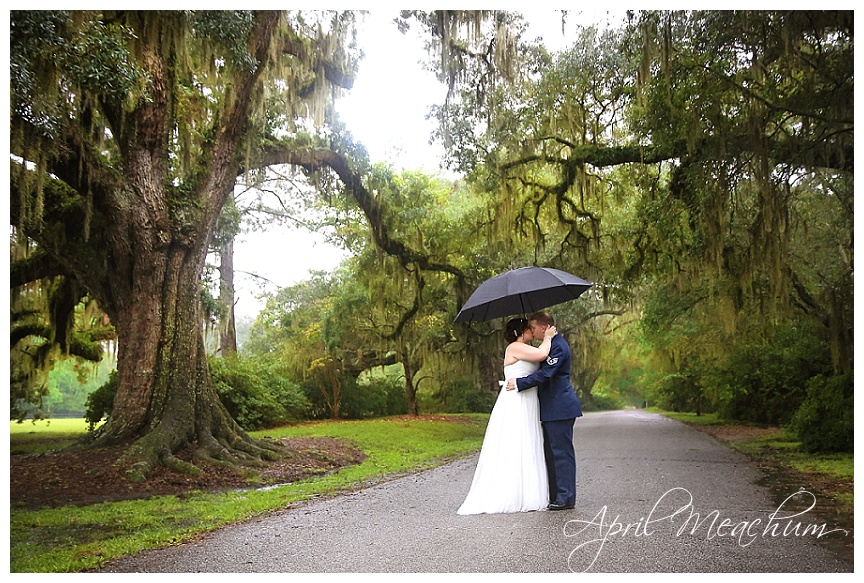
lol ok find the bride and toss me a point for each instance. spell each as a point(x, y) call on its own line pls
point(511, 472)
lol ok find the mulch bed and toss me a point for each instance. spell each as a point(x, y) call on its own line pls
point(89, 477)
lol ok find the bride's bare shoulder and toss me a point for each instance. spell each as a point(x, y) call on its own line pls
point(510, 354)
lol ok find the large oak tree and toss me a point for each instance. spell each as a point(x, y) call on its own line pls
point(130, 129)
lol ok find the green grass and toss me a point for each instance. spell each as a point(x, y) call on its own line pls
point(43, 427)
point(690, 418)
point(75, 539)
point(782, 446)
point(45, 434)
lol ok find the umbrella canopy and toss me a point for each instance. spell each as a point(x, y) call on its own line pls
point(521, 291)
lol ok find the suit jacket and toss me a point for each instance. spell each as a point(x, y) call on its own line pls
point(558, 399)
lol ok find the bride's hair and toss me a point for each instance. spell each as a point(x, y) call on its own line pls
point(515, 328)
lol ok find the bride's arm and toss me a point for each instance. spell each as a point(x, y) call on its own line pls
point(531, 353)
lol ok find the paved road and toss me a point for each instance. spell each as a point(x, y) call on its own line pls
point(653, 496)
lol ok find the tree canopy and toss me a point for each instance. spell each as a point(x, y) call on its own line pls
point(697, 166)
point(690, 163)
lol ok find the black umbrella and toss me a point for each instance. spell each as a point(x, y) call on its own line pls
point(521, 291)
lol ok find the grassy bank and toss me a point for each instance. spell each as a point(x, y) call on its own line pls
point(75, 539)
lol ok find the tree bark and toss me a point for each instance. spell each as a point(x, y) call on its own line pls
point(167, 399)
point(411, 368)
point(227, 328)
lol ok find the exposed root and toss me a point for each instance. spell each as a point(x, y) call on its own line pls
point(139, 460)
point(261, 449)
point(234, 465)
point(138, 472)
point(223, 444)
point(181, 467)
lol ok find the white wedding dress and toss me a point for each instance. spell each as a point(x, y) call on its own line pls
point(511, 471)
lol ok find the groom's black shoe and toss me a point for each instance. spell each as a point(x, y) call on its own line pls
point(560, 506)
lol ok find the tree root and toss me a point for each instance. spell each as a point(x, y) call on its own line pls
point(235, 466)
point(177, 465)
point(138, 472)
point(224, 444)
point(261, 449)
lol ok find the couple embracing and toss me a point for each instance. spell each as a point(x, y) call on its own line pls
point(524, 467)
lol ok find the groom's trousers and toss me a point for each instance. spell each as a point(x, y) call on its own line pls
point(560, 460)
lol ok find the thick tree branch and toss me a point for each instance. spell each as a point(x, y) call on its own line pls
point(39, 265)
point(218, 182)
point(318, 159)
point(410, 312)
point(795, 152)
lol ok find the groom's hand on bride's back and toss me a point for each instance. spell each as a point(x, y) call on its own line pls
point(511, 384)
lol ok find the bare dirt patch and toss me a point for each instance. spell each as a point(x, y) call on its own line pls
point(90, 477)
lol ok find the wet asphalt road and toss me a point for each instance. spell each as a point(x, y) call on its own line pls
point(653, 496)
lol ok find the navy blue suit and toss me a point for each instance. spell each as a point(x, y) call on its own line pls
point(559, 408)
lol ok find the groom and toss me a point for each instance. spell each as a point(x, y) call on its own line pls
point(559, 408)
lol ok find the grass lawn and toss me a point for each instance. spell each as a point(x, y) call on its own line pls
point(75, 539)
point(45, 434)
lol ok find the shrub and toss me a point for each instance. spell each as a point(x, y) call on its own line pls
point(255, 393)
point(373, 396)
point(766, 383)
point(601, 402)
point(825, 422)
point(678, 391)
point(101, 401)
point(462, 396)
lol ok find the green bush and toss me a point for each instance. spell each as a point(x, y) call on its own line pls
point(601, 402)
point(766, 383)
point(825, 422)
point(373, 396)
point(679, 391)
point(461, 396)
point(255, 393)
point(101, 401)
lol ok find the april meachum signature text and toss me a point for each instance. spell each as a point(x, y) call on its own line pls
point(677, 504)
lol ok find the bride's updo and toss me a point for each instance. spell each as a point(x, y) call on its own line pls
point(515, 328)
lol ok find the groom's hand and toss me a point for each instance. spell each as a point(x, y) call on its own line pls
point(511, 384)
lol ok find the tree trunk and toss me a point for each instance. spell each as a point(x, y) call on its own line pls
point(411, 391)
point(167, 399)
point(411, 369)
point(133, 226)
point(227, 328)
point(331, 380)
